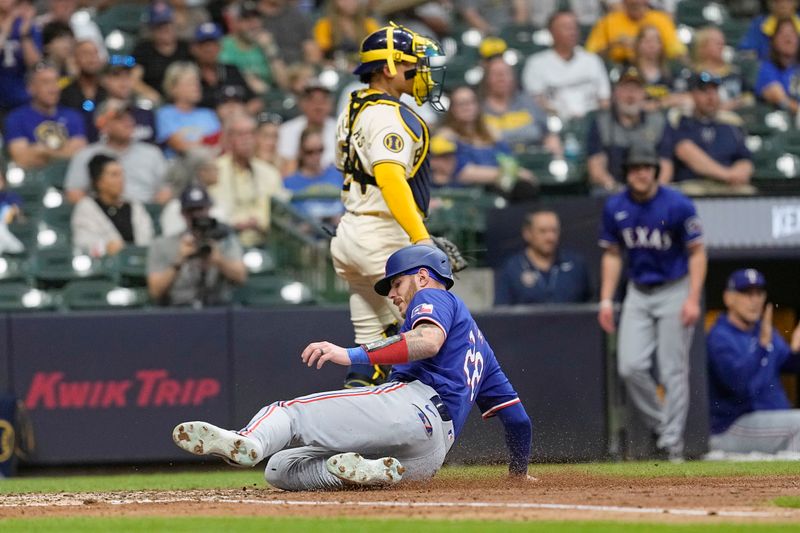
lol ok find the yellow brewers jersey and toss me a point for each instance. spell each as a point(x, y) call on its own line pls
point(376, 128)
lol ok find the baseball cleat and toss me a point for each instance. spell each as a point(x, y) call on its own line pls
point(353, 468)
point(202, 438)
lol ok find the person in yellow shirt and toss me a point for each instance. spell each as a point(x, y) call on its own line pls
point(246, 184)
point(614, 35)
point(343, 27)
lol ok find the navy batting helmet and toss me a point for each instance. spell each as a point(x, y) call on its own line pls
point(414, 257)
point(396, 44)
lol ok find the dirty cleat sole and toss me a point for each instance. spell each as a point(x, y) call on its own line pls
point(353, 468)
point(202, 438)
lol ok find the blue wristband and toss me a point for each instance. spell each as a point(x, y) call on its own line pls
point(358, 356)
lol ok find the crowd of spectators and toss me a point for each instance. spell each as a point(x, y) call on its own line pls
point(180, 138)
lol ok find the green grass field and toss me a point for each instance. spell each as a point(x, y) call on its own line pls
point(203, 478)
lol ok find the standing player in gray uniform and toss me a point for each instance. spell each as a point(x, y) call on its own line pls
point(659, 229)
point(442, 366)
point(382, 149)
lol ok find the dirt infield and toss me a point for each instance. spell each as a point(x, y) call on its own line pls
point(560, 497)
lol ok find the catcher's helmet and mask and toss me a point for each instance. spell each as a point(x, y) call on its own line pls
point(411, 258)
point(395, 44)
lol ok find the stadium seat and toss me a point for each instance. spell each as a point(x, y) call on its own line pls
point(555, 175)
point(259, 261)
point(58, 218)
point(125, 16)
point(16, 296)
point(130, 266)
point(52, 175)
point(101, 294)
point(12, 268)
point(698, 13)
point(31, 192)
point(154, 210)
point(521, 37)
point(26, 232)
point(764, 120)
point(776, 172)
point(53, 268)
point(272, 291)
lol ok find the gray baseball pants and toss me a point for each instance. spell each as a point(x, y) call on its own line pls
point(761, 431)
point(399, 420)
point(651, 323)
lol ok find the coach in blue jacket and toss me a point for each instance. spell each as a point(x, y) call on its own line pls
point(749, 408)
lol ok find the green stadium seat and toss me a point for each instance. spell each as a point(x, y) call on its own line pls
point(521, 37)
point(698, 13)
point(26, 232)
point(53, 268)
point(555, 176)
point(101, 294)
point(58, 218)
point(764, 120)
point(124, 16)
point(16, 296)
point(31, 191)
point(52, 175)
point(734, 30)
point(259, 261)
point(12, 268)
point(272, 291)
point(130, 266)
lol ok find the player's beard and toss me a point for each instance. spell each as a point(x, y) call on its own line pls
point(408, 297)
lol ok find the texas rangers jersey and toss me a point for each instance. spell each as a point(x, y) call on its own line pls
point(383, 130)
point(655, 233)
point(465, 370)
point(743, 376)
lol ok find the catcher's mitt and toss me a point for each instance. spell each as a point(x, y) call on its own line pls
point(457, 261)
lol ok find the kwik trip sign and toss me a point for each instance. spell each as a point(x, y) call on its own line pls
point(145, 389)
point(750, 222)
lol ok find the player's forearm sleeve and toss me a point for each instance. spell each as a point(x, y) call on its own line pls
point(518, 437)
point(391, 180)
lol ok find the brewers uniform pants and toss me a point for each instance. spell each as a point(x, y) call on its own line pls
point(651, 323)
point(360, 249)
point(402, 420)
point(761, 431)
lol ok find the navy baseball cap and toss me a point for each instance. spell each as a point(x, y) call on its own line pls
point(195, 197)
point(207, 31)
point(701, 80)
point(746, 278)
point(159, 13)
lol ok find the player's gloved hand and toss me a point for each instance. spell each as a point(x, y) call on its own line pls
point(457, 261)
point(320, 352)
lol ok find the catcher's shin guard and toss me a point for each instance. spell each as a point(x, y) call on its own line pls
point(370, 375)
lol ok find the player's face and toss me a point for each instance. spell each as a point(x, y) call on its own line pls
point(642, 180)
point(746, 305)
point(403, 290)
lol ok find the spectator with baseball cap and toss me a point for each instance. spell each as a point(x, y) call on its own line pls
point(200, 266)
point(710, 152)
point(117, 80)
point(749, 410)
point(143, 163)
point(85, 91)
point(613, 131)
point(216, 77)
point(442, 156)
point(155, 54)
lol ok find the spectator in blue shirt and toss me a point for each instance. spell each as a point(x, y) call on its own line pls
point(312, 178)
point(710, 153)
point(10, 203)
point(22, 48)
point(778, 77)
point(41, 132)
point(763, 28)
point(542, 272)
point(749, 410)
point(182, 125)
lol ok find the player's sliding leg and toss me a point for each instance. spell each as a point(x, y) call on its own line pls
point(202, 438)
point(355, 469)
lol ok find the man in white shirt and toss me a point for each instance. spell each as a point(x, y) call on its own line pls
point(567, 80)
point(317, 107)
